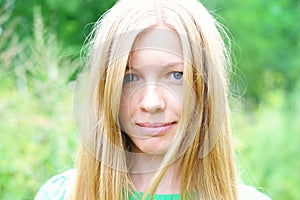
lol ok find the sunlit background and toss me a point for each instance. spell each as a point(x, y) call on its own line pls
point(40, 47)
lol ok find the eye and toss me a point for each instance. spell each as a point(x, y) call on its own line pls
point(177, 75)
point(129, 78)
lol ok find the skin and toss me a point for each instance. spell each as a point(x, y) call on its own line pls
point(151, 104)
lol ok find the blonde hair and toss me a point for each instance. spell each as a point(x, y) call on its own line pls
point(206, 155)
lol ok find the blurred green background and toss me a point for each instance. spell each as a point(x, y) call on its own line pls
point(40, 45)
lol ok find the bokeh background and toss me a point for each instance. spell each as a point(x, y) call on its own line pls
point(40, 48)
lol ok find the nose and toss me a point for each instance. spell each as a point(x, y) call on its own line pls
point(152, 99)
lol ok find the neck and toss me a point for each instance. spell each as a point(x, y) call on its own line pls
point(143, 168)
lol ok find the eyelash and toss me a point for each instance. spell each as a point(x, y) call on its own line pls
point(173, 74)
point(130, 77)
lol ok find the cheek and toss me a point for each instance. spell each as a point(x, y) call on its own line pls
point(124, 104)
point(129, 99)
point(175, 97)
point(127, 106)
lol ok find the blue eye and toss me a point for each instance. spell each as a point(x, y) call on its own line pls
point(129, 78)
point(177, 75)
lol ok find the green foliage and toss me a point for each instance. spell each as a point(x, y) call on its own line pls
point(265, 34)
point(69, 19)
point(38, 136)
point(39, 49)
point(268, 145)
point(267, 47)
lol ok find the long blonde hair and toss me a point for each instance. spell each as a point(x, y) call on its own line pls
point(206, 156)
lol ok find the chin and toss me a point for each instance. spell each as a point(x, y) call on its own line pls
point(151, 149)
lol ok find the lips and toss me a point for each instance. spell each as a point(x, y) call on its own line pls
point(154, 129)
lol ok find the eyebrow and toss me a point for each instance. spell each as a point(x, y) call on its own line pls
point(177, 65)
point(173, 64)
point(169, 64)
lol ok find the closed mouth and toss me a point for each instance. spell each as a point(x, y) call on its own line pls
point(154, 129)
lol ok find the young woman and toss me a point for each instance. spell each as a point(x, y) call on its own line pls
point(154, 123)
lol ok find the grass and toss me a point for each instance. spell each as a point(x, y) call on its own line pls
point(35, 142)
point(38, 135)
point(268, 145)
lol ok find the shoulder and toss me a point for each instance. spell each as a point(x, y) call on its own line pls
point(250, 193)
point(57, 186)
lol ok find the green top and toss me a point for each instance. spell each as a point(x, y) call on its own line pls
point(138, 195)
point(56, 188)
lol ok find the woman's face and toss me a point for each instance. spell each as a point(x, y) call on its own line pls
point(152, 94)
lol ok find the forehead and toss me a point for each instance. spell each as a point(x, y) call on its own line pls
point(157, 45)
point(159, 37)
